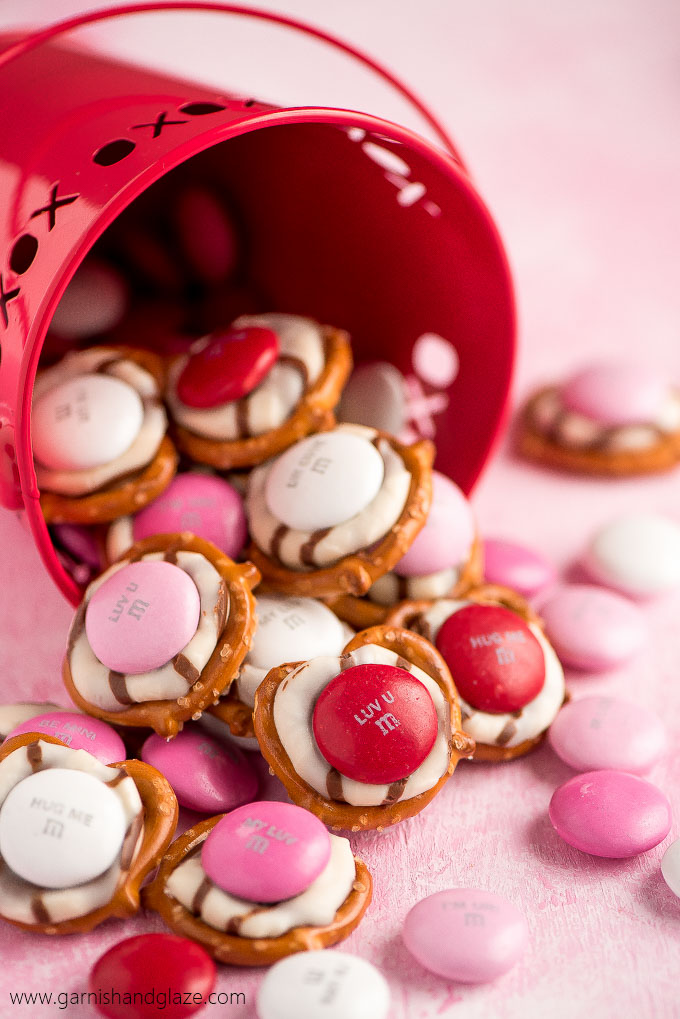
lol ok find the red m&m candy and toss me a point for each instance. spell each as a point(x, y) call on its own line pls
point(228, 367)
point(152, 975)
point(375, 723)
point(496, 662)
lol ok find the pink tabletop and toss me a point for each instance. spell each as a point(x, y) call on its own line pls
point(568, 119)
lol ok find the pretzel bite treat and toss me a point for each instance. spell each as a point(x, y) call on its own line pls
point(12, 715)
point(77, 837)
point(610, 418)
point(160, 634)
point(246, 393)
point(260, 883)
point(99, 441)
point(288, 630)
point(509, 679)
point(208, 506)
point(337, 510)
point(367, 738)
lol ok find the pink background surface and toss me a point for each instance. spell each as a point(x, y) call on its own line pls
point(567, 116)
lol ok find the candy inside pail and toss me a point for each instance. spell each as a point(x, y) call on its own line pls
point(348, 218)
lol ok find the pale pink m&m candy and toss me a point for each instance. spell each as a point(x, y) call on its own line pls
point(142, 616)
point(637, 554)
point(206, 505)
point(593, 733)
point(79, 732)
point(610, 813)
point(266, 851)
point(513, 565)
point(207, 776)
point(466, 934)
point(592, 628)
point(447, 536)
point(615, 393)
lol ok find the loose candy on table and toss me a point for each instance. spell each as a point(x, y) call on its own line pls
point(516, 566)
point(164, 964)
point(94, 302)
point(448, 534)
point(670, 867)
point(595, 733)
point(324, 480)
point(466, 934)
point(60, 827)
point(375, 723)
point(610, 813)
point(328, 983)
point(637, 554)
point(85, 422)
point(592, 628)
point(142, 616)
point(206, 775)
point(496, 661)
point(615, 392)
point(204, 504)
point(227, 366)
point(266, 851)
point(77, 731)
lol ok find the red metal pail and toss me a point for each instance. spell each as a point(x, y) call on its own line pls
point(349, 218)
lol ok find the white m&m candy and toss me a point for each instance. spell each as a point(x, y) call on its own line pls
point(85, 422)
point(638, 554)
point(293, 630)
point(324, 480)
point(60, 827)
point(331, 984)
point(670, 867)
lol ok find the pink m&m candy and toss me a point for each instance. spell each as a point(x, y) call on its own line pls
point(207, 776)
point(266, 851)
point(230, 365)
point(375, 723)
point(466, 934)
point(592, 628)
point(142, 616)
point(206, 505)
point(143, 969)
point(496, 662)
point(615, 393)
point(610, 813)
point(80, 542)
point(79, 732)
point(606, 732)
point(447, 536)
point(513, 565)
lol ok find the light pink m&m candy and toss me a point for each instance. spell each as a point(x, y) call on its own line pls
point(610, 813)
point(516, 566)
point(447, 536)
point(206, 505)
point(606, 732)
point(615, 393)
point(142, 616)
point(466, 934)
point(207, 776)
point(266, 851)
point(79, 732)
point(592, 628)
